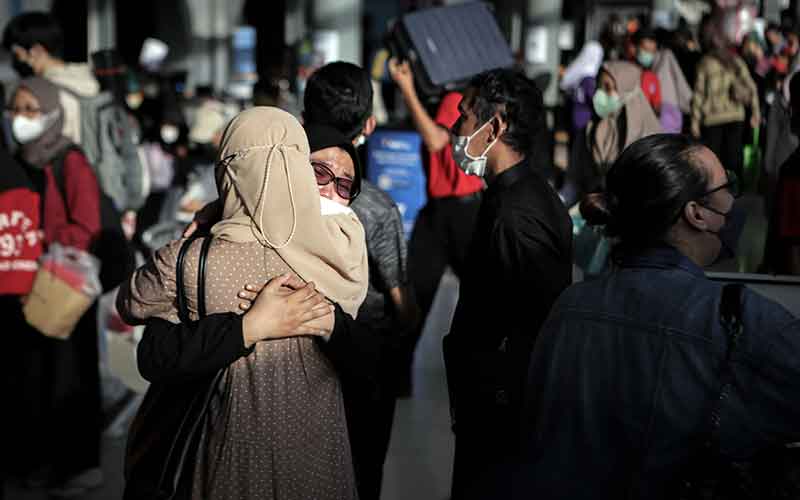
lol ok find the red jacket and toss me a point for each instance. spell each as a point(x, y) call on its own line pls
point(75, 221)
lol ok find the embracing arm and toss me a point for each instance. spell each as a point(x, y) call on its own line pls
point(170, 351)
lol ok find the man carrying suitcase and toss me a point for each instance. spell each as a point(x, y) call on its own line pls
point(444, 226)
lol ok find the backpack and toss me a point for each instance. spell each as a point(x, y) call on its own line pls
point(111, 247)
point(108, 140)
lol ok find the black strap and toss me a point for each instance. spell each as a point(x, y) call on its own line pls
point(183, 307)
point(201, 278)
point(57, 168)
point(730, 317)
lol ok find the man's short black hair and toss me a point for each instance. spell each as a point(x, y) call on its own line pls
point(339, 94)
point(30, 28)
point(517, 99)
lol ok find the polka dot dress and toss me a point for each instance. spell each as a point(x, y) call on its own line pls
point(277, 428)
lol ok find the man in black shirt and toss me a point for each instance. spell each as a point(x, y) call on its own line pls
point(519, 262)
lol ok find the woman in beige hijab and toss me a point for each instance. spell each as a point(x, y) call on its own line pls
point(622, 115)
point(278, 428)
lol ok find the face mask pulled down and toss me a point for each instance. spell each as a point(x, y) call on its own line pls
point(471, 165)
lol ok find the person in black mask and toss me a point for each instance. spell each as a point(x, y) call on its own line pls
point(627, 368)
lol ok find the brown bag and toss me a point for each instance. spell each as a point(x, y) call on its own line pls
point(53, 306)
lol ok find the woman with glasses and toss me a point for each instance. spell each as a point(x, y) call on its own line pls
point(55, 395)
point(276, 429)
point(624, 394)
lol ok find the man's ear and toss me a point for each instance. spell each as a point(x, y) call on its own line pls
point(498, 126)
point(369, 126)
point(695, 216)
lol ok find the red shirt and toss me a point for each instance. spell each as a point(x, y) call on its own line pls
point(652, 89)
point(20, 241)
point(444, 177)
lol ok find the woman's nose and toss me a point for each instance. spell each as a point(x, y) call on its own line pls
point(326, 190)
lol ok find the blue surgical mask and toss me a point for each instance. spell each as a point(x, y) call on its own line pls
point(471, 165)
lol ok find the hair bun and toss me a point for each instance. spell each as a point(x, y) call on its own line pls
point(595, 208)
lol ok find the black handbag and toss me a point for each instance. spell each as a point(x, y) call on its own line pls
point(165, 435)
point(771, 474)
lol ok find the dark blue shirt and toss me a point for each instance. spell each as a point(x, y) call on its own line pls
point(624, 374)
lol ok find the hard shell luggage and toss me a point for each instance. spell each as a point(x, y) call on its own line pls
point(447, 46)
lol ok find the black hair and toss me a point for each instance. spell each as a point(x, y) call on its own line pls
point(321, 136)
point(30, 28)
point(339, 94)
point(645, 34)
point(518, 101)
point(647, 189)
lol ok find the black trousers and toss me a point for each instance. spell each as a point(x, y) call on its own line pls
point(726, 141)
point(369, 423)
point(53, 418)
point(441, 238)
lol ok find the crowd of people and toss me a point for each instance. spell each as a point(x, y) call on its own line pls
point(727, 87)
point(282, 302)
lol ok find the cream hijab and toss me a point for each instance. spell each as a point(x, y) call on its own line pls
point(641, 121)
point(269, 195)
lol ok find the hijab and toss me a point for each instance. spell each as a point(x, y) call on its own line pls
point(52, 142)
point(269, 195)
point(640, 121)
point(674, 87)
point(586, 65)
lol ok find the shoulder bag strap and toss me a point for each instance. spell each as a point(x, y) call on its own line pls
point(201, 278)
point(730, 316)
point(183, 308)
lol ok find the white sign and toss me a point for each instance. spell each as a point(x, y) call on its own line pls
point(536, 45)
point(326, 45)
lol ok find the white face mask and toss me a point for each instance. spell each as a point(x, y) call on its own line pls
point(26, 130)
point(469, 164)
point(169, 134)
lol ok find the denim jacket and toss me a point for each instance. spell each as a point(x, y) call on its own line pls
point(626, 369)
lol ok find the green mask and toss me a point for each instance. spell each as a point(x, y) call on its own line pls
point(605, 104)
point(645, 58)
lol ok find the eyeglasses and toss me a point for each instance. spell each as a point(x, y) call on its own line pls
point(732, 185)
point(343, 185)
point(27, 110)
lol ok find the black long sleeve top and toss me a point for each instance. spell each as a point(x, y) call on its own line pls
point(174, 352)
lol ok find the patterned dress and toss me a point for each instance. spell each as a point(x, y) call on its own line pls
point(277, 427)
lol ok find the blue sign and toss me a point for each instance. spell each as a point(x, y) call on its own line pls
point(394, 164)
